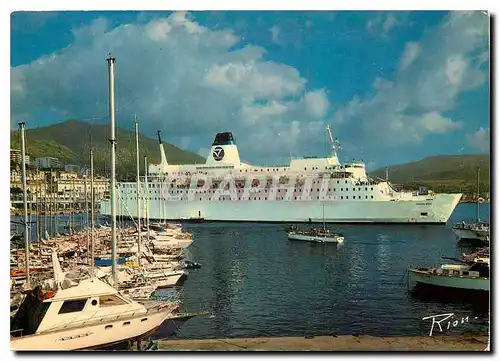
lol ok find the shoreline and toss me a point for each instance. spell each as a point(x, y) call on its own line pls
point(465, 342)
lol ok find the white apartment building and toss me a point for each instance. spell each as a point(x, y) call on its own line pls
point(48, 162)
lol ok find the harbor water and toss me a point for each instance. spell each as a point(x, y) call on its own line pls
point(256, 283)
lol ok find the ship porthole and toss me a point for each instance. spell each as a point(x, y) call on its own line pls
point(94, 302)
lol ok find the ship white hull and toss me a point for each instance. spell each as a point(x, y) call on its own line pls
point(353, 211)
point(92, 336)
point(459, 283)
point(318, 239)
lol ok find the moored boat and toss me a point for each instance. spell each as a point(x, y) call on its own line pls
point(315, 235)
point(476, 231)
point(465, 277)
point(78, 314)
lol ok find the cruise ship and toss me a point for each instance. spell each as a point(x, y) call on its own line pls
point(312, 189)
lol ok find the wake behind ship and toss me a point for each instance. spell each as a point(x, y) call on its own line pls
point(306, 190)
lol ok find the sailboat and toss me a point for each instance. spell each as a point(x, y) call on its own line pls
point(73, 313)
point(320, 235)
point(474, 231)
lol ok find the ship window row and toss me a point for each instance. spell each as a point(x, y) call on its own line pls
point(279, 190)
point(255, 198)
point(177, 186)
point(262, 170)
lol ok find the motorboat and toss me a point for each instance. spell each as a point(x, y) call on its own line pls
point(187, 264)
point(473, 276)
point(320, 235)
point(75, 314)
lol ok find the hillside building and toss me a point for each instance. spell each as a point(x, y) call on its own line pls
point(48, 162)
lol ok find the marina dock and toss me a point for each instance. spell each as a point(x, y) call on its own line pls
point(332, 343)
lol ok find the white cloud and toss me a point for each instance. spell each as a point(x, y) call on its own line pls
point(317, 103)
point(383, 22)
point(181, 77)
point(275, 33)
point(256, 80)
point(480, 139)
point(447, 63)
point(434, 122)
point(411, 52)
point(389, 23)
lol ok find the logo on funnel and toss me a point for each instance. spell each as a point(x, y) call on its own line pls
point(218, 153)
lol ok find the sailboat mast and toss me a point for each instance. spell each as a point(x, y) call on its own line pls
point(25, 205)
point(86, 213)
point(138, 191)
point(45, 213)
point(112, 140)
point(147, 195)
point(477, 201)
point(91, 204)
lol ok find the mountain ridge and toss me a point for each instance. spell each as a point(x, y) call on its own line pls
point(70, 142)
point(442, 173)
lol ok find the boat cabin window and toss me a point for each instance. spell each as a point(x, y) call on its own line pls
point(111, 300)
point(73, 306)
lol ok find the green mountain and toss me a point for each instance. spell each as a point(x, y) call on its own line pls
point(446, 173)
point(70, 142)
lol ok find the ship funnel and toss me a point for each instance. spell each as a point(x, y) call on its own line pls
point(224, 150)
point(162, 150)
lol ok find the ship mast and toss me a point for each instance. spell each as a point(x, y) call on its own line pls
point(138, 191)
point(333, 143)
point(112, 140)
point(25, 205)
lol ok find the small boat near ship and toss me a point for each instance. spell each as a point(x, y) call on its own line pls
point(319, 235)
point(473, 276)
point(473, 231)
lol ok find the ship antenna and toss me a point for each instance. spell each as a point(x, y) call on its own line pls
point(334, 144)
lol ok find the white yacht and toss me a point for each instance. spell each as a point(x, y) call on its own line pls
point(81, 314)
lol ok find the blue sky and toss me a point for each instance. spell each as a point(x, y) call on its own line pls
point(394, 86)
